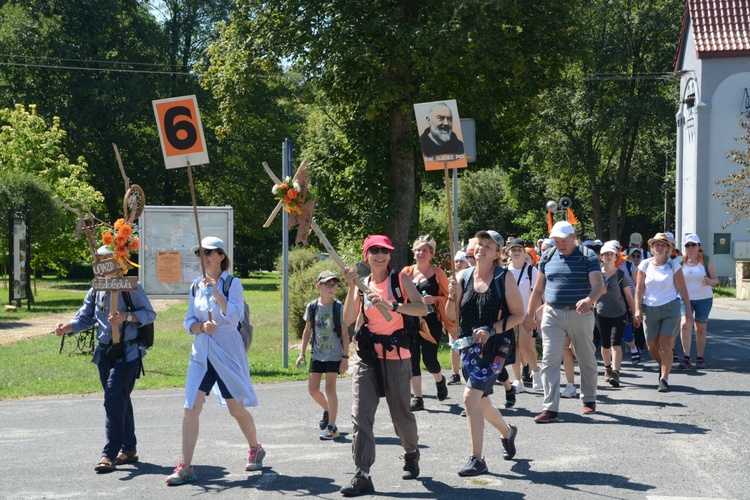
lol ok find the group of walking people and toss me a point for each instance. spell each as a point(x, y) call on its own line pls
point(499, 299)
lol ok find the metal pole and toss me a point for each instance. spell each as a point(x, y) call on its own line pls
point(455, 208)
point(286, 171)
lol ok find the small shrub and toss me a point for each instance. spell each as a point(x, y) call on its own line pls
point(299, 259)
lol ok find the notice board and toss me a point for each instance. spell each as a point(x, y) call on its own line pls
point(168, 234)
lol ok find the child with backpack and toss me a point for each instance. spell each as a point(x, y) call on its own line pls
point(329, 350)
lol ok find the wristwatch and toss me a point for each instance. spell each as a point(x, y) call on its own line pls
point(129, 318)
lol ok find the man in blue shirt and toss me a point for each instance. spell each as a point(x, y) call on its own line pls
point(570, 281)
point(116, 373)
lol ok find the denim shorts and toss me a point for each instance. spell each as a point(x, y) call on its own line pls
point(662, 320)
point(701, 309)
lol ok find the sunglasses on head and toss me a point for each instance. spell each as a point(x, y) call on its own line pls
point(688, 245)
point(377, 250)
point(206, 251)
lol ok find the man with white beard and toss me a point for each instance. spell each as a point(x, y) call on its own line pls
point(439, 138)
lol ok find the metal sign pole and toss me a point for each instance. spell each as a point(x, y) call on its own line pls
point(286, 171)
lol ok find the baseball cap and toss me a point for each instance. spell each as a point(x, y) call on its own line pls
point(515, 242)
point(636, 238)
point(327, 276)
point(548, 241)
point(492, 235)
point(692, 238)
point(376, 240)
point(211, 243)
point(562, 229)
point(610, 247)
point(461, 255)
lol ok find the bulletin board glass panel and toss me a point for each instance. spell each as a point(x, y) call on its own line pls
point(168, 234)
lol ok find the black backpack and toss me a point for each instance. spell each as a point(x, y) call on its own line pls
point(145, 332)
point(411, 323)
point(313, 306)
point(244, 326)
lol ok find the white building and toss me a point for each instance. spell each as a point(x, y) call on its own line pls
point(714, 55)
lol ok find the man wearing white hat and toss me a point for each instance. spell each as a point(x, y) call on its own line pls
point(570, 282)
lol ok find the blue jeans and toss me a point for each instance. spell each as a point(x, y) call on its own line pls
point(118, 380)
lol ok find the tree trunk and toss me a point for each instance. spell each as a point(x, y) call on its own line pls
point(402, 188)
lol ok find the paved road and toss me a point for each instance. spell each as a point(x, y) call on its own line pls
point(689, 443)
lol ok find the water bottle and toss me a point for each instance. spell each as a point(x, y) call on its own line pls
point(461, 343)
point(430, 309)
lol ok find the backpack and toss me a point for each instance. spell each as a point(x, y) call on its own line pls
point(145, 332)
point(547, 255)
point(313, 306)
point(411, 323)
point(244, 326)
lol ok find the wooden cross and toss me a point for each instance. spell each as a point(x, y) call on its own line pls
point(304, 219)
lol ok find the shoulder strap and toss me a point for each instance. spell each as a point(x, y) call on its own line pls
point(337, 318)
point(529, 270)
point(520, 275)
point(227, 285)
point(620, 278)
point(465, 279)
point(128, 301)
point(500, 274)
point(706, 258)
point(313, 307)
point(395, 279)
point(547, 256)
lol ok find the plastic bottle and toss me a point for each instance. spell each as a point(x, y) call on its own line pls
point(461, 343)
point(210, 300)
point(430, 309)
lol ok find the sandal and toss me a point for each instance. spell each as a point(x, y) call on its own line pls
point(126, 457)
point(105, 464)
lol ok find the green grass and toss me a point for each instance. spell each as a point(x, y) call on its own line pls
point(724, 291)
point(34, 367)
point(51, 297)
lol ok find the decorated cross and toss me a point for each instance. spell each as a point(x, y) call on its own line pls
point(292, 195)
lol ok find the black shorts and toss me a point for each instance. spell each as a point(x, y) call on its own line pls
point(324, 366)
point(212, 377)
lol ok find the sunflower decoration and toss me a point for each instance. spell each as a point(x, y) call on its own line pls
point(288, 192)
point(122, 240)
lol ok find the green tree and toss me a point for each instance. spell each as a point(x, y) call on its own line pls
point(736, 193)
point(29, 146)
point(367, 63)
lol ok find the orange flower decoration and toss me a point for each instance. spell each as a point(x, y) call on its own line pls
point(107, 238)
point(125, 231)
point(134, 244)
point(118, 223)
point(121, 251)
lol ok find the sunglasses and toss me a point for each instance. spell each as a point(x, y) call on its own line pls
point(470, 257)
point(377, 250)
point(688, 245)
point(206, 252)
point(331, 284)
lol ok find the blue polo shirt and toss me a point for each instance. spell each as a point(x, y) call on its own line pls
point(568, 276)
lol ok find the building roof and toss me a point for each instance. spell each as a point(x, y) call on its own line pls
point(720, 28)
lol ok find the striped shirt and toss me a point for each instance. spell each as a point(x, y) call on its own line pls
point(568, 276)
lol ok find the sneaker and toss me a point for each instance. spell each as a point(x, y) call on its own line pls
point(536, 378)
point(510, 397)
point(182, 474)
point(442, 390)
point(663, 385)
point(411, 465)
point(255, 458)
point(323, 421)
point(509, 443)
point(701, 364)
point(518, 386)
point(546, 417)
point(463, 413)
point(358, 486)
point(685, 364)
point(635, 357)
point(588, 408)
point(417, 404)
point(455, 379)
point(474, 467)
point(614, 379)
point(569, 391)
point(331, 432)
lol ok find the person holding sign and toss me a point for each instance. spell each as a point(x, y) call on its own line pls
point(218, 361)
point(119, 363)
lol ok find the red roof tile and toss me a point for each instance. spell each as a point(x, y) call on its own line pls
point(721, 28)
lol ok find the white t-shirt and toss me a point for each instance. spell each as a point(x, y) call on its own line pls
point(660, 287)
point(693, 276)
point(525, 286)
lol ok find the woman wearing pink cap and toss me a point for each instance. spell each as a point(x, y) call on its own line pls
point(384, 365)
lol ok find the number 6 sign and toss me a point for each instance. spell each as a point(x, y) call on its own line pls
point(180, 131)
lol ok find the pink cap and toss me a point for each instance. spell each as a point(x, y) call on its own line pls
point(376, 240)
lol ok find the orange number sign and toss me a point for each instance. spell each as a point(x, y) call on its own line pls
point(180, 131)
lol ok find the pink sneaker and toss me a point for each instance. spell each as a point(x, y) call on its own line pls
point(700, 364)
point(255, 458)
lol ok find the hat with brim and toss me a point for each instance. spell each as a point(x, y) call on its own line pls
point(376, 240)
point(692, 238)
point(610, 247)
point(491, 235)
point(662, 237)
point(327, 276)
point(211, 243)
